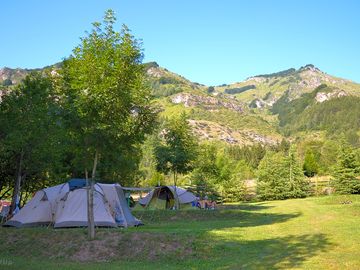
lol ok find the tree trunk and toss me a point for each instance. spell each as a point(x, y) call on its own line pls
point(88, 198)
point(91, 221)
point(25, 196)
point(17, 183)
point(176, 198)
point(290, 172)
point(21, 196)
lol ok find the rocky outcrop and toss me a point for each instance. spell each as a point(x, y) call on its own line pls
point(208, 102)
point(322, 96)
point(206, 130)
point(155, 72)
point(259, 138)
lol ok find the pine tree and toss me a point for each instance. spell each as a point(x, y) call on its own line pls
point(272, 178)
point(310, 165)
point(344, 177)
point(298, 186)
point(281, 177)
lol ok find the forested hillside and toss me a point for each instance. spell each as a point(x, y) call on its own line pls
point(298, 119)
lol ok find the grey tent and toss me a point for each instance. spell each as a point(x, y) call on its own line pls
point(65, 205)
point(163, 197)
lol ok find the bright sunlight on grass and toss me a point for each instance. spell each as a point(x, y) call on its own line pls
point(313, 233)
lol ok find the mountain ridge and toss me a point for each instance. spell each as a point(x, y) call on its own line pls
point(239, 113)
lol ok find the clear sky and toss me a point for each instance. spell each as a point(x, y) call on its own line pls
point(207, 41)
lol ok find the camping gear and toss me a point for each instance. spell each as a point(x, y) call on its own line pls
point(65, 205)
point(163, 197)
point(4, 210)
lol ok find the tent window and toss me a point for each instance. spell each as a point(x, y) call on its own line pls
point(44, 198)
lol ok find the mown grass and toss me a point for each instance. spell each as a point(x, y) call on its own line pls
point(312, 233)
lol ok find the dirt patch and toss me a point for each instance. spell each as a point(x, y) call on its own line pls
point(109, 245)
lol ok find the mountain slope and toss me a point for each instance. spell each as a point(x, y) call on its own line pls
point(267, 89)
point(262, 109)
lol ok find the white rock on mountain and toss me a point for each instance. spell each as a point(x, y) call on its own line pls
point(321, 96)
point(209, 102)
point(155, 72)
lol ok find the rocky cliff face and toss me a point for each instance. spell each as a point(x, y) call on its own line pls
point(208, 102)
point(206, 130)
point(14, 75)
point(322, 96)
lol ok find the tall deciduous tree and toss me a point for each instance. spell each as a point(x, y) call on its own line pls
point(206, 172)
point(108, 98)
point(29, 124)
point(177, 151)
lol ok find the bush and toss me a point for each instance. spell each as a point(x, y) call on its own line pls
point(239, 89)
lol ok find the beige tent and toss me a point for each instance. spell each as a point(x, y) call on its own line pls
point(66, 206)
point(163, 197)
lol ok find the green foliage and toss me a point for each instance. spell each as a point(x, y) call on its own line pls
point(284, 73)
point(267, 96)
point(177, 151)
point(217, 172)
point(284, 146)
point(107, 99)
point(168, 80)
point(234, 189)
point(252, 155)
point(31, 133)
point(148, 175)
point(334, 115)
point(210, 89)
point(344, 178)
point(7, 82)
point(151, 65)
point(158, 90)
point(253, 103)
point(310, 166)
point(239, 89)
point(289, 111)
point(281, 177)
point(339, 114)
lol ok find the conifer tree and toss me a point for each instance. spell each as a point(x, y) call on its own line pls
point(281, 177)
point(344, 178)
point(298, 186)
point(310, 165)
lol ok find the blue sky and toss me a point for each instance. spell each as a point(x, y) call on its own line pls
point(207, 41)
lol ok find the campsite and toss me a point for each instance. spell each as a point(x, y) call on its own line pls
point(180, 135)
point(313, 233)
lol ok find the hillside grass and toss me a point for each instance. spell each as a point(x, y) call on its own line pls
point(312, 233)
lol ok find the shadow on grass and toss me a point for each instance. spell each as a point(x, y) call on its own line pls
point(246, 207)
point(208, 220)
point(271, 254)
point(274, 253)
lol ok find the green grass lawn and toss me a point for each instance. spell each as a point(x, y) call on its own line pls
point(312, 233)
